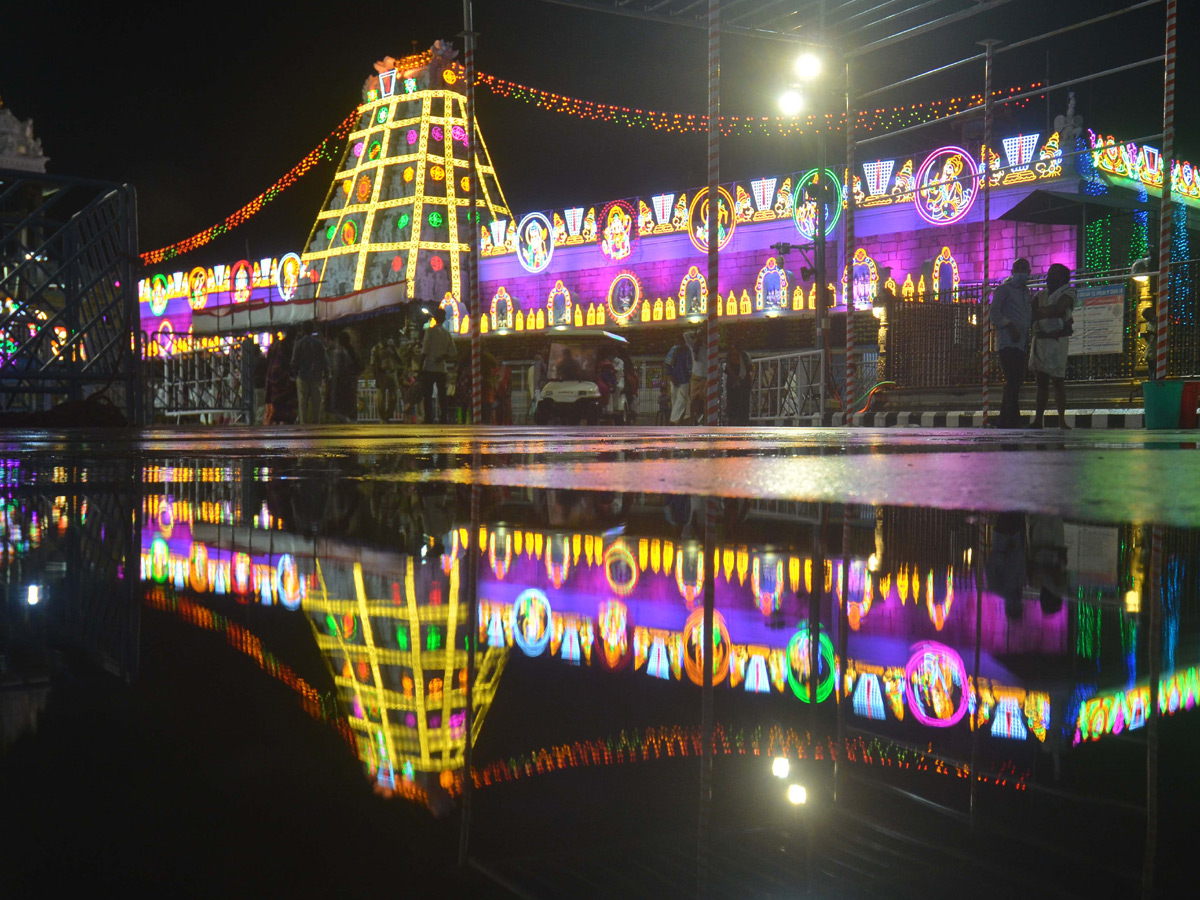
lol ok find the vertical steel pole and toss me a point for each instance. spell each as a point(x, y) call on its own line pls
point(1165, 213)
point(848, 396)
point(472, 222)
point(843, 621)
point(712, 398)
point(472, 558)
point(1154, 594)
point(985, 325)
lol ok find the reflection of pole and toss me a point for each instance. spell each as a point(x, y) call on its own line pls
point(471, 561)
point(707, 660)
point(473, 309)
point(976, 564)
point(849, 396)
point(1155, 598)
point(985, 325)
point(815, 597)
point(712, 400)
point(843, 621)
point(822, 278)
point(1164, 216)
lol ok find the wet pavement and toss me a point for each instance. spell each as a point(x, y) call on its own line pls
point(242, 661)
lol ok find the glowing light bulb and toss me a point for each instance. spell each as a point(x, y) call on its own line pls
point(873, 563)
point(791, 103)
point(1133, 602)
point(35, 595)
point(780, 767)
point(808, 65)
point(796, 794)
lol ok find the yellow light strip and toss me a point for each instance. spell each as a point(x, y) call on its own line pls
point(451, 654)
point(376, 678)
point(410, 594)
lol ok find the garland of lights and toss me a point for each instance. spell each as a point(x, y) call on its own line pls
point(327, 149)
point(731, 126)
point(677, 741)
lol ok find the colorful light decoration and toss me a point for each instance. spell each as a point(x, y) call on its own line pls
point(535, 243)
point(693, 643)
point(624, 296)
point(691, 592)
point(287, 278)
point(617, 555)
point(693, 293)
point(799, 659)
point(866, 279)
point(502, 309)
point(558, 305)
point(945, 275)
point(697, 221)
point(768, 602)
point(942, 197)
point(287, 581)
point(198, 288)
point(241, 280)
point(159, 289)
point(617, 232)
point(532, 622)
point(771, 287)
point(935, 683)
point(805, 212)
point(613, 618)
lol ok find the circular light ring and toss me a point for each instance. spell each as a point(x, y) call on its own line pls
point(945, 212)
point(437, 173)
point(535, 243)
point(617, 231)
point(699, 234)
point(619, 551)
point(241, 293)
point(798, 651)
point(808, 227)
point(382, 115)
point(435, 219)
point(449, 76)
point(287, 581)
point(927, 659)
point(287, 279)
point(693, 638)
point(531, 622)
point(349, 232)
point(364, 189)
point(159, 289)
point(198, 288)
point(618, 315)
point(331, 232)
point(374, 151)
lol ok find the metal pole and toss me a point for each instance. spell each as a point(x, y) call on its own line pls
point(985, 311)
point(472, 560)
point(473, 309)
point(712, 399)
point(848, 395)
point(1164, 217)
point(843, 620)
point(819, 243)
point(1154, 593)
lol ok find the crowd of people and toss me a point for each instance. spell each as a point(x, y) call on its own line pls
point(684, 387)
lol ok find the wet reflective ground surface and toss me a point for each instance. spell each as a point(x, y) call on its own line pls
point(252, 662)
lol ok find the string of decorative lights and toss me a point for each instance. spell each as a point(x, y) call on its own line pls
point(679, 741)
point(671, 122)
point(328, 149)
point(731, 126)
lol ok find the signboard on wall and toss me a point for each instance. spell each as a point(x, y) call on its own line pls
point(1099, 320)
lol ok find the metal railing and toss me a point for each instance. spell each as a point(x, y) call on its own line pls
point(201, 384)
point(787, 388)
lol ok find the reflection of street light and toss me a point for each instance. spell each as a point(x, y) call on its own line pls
point(1133, 602)
point(780, 767)
point(872, 563)
point(796, 794)
point(808, 66)
point(1141, 270)
point(791, 102)
point(35, 595)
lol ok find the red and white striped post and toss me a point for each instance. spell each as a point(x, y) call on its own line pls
point(1165, 213)
point(985, 299)
point(473, 307)
point(712, 400)
point(848, 397)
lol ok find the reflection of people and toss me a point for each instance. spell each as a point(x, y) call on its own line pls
point(385, 366)
point(698, 390)
point(281, 402)
point(250, 358)
point(1048, 560)
point(310, 364)
point(679, 370)
point(1010, 315)
point(1052, 327)
point(437, 351)
point(1005, 568)
point(346, 369)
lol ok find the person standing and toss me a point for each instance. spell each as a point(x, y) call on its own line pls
point(281, 400)
point(737, 386)
point(1052, 326)
point(1011, 317)
point(698, 388)
point(437, 352)
point(679, 370)
point(249, 361)
point(385, 366)
point(310, 365)
point(346, 369)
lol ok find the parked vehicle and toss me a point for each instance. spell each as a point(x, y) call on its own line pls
point(585, 380)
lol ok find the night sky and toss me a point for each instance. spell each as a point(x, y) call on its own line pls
point(203, 106)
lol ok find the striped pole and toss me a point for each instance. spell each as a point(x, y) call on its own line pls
point(849, 394)
point(472, 223)
point(707, 716)
point(712, 398)
point(985, 304)
point(1165, 213)
point(1154, 596)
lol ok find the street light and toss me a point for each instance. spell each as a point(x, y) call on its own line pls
point(796, 794)
point(808, 66)
point(780, 767)
point(791, 103)
point(1141, 270)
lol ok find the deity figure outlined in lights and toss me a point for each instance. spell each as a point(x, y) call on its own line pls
point(624, 296)
point(698, 219)
point(240, 281)
point(866, 279)
point(935, 681)
point(771, 287)
point(945, 275)
point(535, 243)
point(158, 294)
point(617, 233)
point(693, 293)
point(810, 192)
point(558, 305)
point(942, 198)
point(198, 288)
point(288, 277)
point(799, 666)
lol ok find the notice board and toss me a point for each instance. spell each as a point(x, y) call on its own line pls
point(1099, 320)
